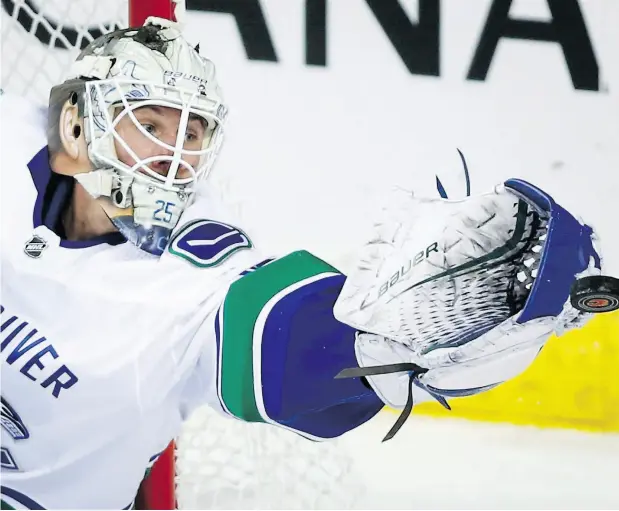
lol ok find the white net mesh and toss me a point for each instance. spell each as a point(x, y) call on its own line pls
point(40, 38)
point(227, 464)
point(220, 463)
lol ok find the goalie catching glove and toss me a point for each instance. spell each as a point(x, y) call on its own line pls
point(452, 298)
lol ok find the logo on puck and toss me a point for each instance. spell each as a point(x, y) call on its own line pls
point(34, 246)
point(597, 303)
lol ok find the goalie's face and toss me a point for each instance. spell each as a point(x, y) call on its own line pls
point(156, 150)
point(152, 136)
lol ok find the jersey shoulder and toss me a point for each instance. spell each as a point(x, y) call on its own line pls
point(208, 243)
point(209, 235)
point(22, 147)
point(22, 137)
point(23, 130)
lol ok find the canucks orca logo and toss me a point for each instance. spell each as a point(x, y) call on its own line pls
point(207, 243)
point(12, 422)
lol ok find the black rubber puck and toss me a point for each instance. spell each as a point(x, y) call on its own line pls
point(595, 294)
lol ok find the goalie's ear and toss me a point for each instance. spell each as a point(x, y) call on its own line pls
point(70, 131)
point(70, 157)
point(567, 253)
point(66, 139)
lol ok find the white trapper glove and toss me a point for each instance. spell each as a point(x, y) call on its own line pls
point(452, 298)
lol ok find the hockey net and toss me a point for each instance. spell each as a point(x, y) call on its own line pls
point(215, 462)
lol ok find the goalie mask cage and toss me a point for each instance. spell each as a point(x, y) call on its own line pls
point(215, 462)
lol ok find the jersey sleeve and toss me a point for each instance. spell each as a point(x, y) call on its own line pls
point(278, 348)
point(267, 347)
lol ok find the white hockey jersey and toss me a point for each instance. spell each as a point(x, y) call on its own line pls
point(106, 348)
point(97, 351)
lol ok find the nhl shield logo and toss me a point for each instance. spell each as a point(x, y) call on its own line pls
point(35, 246)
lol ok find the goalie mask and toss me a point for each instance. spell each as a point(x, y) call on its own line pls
point(117, 74)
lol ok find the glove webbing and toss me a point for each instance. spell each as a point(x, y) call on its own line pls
point(414, 370)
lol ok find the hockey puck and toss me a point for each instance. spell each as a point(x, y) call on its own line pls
point(595, 294)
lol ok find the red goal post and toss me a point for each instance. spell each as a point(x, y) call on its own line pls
point(139, 10)
point(158, 490)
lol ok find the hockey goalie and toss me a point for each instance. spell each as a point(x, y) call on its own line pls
point(130, 296)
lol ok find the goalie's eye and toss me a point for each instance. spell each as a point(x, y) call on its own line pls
point(190, 137)
point(149, 128)
point(196, 129)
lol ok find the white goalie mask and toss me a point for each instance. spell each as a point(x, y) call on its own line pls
point(118, 73)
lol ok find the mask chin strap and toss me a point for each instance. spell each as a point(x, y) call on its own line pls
point(98, 183)
point(107, 183)
point(146, 214)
